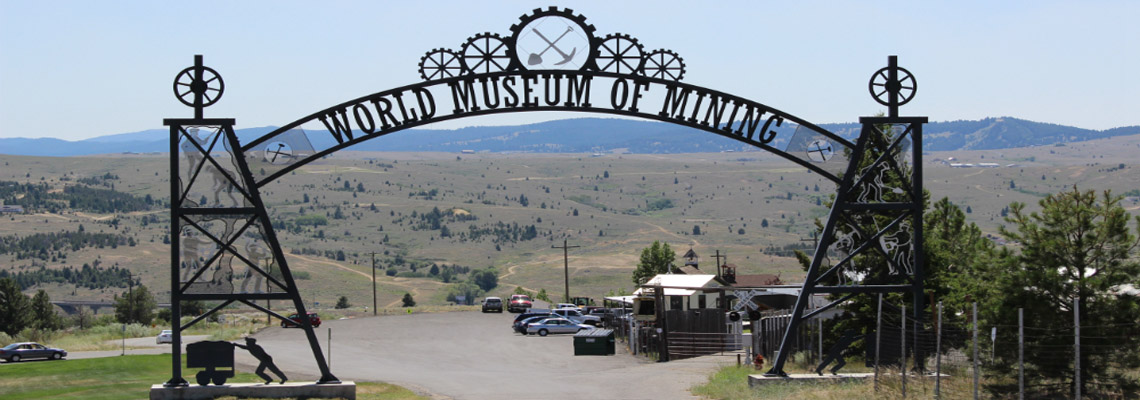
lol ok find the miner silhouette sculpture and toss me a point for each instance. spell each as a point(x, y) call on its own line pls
point(836, 352)
point(265, 361)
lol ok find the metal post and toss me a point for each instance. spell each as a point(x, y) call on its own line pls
point(330, 347)
point(1077, 347)
point(1021, 354)
point(878, 339)
point(938, 355)
point(374, 284)
point(902, 355)
point(269, 289)
point(175, 263)
point(820, 319)
point(975, 350)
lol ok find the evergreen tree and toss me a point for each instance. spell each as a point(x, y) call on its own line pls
point(136, 306)
point(44, 313)
point(655, 259)
point(1079, 246)
point(342, 303)
point(15, 308)
point(408, 300)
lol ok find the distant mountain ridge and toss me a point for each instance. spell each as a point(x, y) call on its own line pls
point(585, 135)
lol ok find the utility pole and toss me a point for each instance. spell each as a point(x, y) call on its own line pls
point(566, 264)
point(373, 285)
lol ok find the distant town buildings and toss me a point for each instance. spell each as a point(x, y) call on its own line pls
point(11, 209)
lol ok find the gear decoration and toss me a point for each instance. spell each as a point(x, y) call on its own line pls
point(619, 53)
point(892, 86)
point(551, 39)
point(664, 64)
point(485, 53)
point(881, 86)
point(198, 86)
point(439, 64)
point(527, 31)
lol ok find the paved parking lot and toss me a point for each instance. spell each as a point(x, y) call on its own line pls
point(470, 355)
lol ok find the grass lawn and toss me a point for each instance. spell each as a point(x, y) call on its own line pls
point(125, 377)
point(731, 383)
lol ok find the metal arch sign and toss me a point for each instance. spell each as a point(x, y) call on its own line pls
point(551, 61)
point(679, 103)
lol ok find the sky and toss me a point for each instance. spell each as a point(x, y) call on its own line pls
point(80, 69)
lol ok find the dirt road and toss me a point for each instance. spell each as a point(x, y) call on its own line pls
point(470, 355)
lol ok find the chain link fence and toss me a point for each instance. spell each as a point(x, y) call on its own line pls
point(1012, 359)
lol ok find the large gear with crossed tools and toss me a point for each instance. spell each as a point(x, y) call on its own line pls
point(664, 64)
point(486, 52)
point(619, 53)
point(552, 52)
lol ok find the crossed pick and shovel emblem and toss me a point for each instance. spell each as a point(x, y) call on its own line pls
point(536, 58)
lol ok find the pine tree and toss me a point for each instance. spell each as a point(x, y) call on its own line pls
point(135, 306)
point(44, 312)
point(1079, 246)
point(14, 308)
point(408, 300)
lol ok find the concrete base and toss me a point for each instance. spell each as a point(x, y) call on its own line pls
point(754, 380)
point(343, 390)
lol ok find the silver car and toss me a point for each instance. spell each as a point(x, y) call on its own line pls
point(555, 325)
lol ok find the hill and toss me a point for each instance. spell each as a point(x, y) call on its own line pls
point(588, 135)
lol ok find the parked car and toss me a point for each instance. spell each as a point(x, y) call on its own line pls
point(531, 313)
point(574, 315)
point(519, 303)
point(521, 326)
point(565, 305)
point(295, 321)
point(555, 325)
point(167, 336)
point(17, 352)
point(493, 304)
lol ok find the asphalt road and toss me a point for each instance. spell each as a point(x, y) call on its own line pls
point(470, 355)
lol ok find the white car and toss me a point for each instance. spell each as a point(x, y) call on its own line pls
point(575, 315)
point(167, 336)
point(565, 305)
point(555, 325)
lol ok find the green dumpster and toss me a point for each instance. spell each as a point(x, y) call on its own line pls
point(594, 342)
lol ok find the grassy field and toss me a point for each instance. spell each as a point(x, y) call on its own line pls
point(727, 196)
point(731, 383)
point(126, 377)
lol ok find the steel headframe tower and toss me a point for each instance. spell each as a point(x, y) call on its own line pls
point(874, 229)
point(226, 227)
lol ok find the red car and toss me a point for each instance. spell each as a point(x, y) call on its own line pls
point(519, 303)
point(295, 321)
